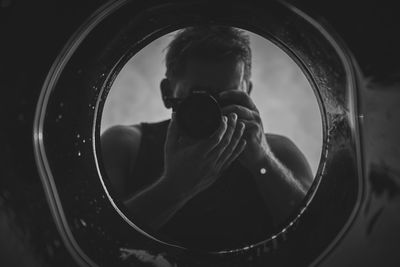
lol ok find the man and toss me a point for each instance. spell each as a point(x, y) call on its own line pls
point(230, 189)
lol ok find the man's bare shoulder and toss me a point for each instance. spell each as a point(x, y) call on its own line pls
point(291, 156)
point(278, 142)
point(282, 147)
point(122, 133)
point(120, 145)
point(121, 142)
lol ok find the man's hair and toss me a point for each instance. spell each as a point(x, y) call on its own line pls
point(207, 42)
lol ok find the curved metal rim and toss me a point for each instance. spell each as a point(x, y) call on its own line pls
point(45, 171)
point(39, 150)
point(351, 67)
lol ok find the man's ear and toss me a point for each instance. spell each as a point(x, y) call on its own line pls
point(166, 92)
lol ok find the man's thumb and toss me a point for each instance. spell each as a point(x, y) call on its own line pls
point(172, 135)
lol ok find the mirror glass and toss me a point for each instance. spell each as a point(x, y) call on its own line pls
point(234, 184)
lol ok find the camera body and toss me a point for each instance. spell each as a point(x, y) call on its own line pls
point(199, 115)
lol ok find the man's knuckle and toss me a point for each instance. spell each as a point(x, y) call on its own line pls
point(234, 108)
point(257, 118)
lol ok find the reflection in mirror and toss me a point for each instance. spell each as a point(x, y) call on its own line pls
point(241, 149)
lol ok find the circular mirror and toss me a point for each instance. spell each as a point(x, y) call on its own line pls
point(176, 191)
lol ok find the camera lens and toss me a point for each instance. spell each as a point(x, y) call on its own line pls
point(199, 115)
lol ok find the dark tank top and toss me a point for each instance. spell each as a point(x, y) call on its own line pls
point(229, 214)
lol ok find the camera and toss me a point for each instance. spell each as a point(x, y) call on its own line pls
point(199, 115)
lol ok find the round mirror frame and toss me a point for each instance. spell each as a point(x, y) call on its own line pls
point(67, 132)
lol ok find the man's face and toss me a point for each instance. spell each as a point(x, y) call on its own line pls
point(211, 76)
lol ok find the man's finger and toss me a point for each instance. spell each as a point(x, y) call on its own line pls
point(214, 140)
point(243, 112)
point(226, 139)
point(238, 97)
point(236, 137)
point(250, 124)
point(173, 131)
point(236, 153)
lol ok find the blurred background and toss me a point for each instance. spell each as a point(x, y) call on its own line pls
point(284, 97)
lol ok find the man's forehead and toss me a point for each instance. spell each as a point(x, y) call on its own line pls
point(213, 75)
point(220, 65)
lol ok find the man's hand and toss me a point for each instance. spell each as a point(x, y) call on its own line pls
point(257, 148)
point(192, 165)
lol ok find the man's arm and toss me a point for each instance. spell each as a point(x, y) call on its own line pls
point(190, 167)
point(282, 185)
point(120, 146)
point(283, 177)
point(154, 205)
point(286, 151)
point(158, 201)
